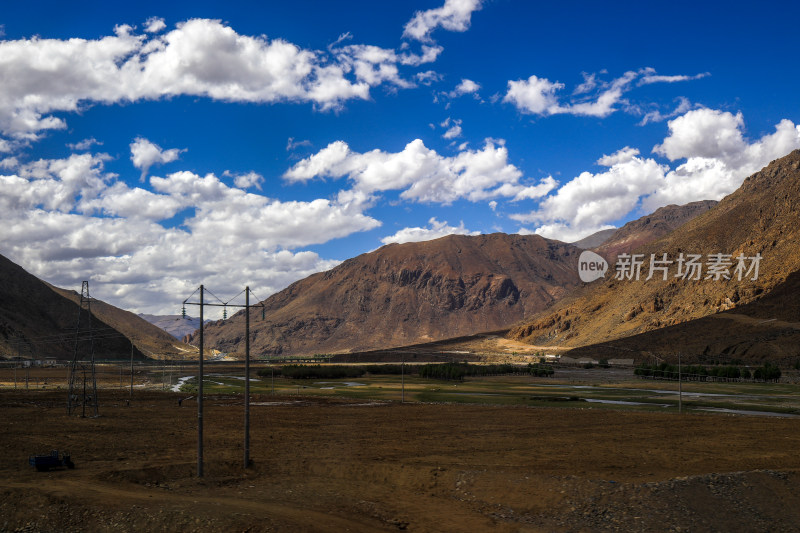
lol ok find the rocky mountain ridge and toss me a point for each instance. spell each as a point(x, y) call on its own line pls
point(406, 293)
point(760, 219)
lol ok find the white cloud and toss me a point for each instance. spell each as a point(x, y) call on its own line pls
point(704, 133)
point(69, 219)
point(656, 116)
point(84, 145)
point(653, 78)
point(466, 86)
point(428, 77)
point(534, 95)
point(145, 154)
point(589, 83)
point(154, 25)
point(717, 157)
point(620, 156)
point(429, 55)
point(453, 132)
point(434, 230)
point(292, 145)
point(591, 201)
point(454, 15)
point(200, 57)
point(422, 174)
point(245, 181)
point(539, 96)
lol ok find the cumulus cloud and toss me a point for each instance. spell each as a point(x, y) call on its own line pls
point(420, 173)
point(716, 157)
point(593, 98)
point(620, 156)
point(590, 201)
point(245, 181)
point(84, 145)
point(466, 86)
point(200, 57)
point(454, 15)
point(145, 154)
point(70, 219)
point(534, 95)
point(154, 25)
point(434, 230)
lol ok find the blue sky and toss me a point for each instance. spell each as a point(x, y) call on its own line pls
point(152, 147)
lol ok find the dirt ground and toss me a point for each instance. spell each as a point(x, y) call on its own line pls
point(336, 465)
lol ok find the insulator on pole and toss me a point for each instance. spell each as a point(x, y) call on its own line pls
point(183, 312)
point(224, 313)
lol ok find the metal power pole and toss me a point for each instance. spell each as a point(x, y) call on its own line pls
point(77, 366)
point(403, 379)
point(247, 377)
point(680, 388)
point(131, 369)
point(200, 396)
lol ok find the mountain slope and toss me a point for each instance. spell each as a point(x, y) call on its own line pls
point(595, 239)
point(38, 321)
point(175, 325)
point(765, 329)
point(649, 228)
point(761, 217)
point(406, 293)
point(151, 340)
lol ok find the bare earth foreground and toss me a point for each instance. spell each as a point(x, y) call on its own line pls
point(333, 465)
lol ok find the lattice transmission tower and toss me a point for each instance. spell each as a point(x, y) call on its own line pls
point(82, 379)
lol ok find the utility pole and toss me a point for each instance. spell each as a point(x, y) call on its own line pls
point(247, 377)
point(131, 369)
point(680, 388)
point(78, 366)
point(225, 305)
point(200, 395)
point(403, 379)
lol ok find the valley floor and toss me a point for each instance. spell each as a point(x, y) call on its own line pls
point(337, 464)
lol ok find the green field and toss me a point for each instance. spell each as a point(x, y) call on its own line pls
point(563, 390)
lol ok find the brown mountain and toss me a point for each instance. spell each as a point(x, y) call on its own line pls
point(146, 337)
point(595, 239)
point(38, 321)
point(765, 329)
point(760, 218)
point(650, 228)
point(407, 293)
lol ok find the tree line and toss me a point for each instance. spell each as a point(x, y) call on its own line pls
point(767, 372)
point(445, 371)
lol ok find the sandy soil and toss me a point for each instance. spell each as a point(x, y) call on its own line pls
point(332, 465)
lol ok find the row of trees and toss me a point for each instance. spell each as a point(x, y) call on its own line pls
point(458, 371)
point(447, 371)
point(768, 372)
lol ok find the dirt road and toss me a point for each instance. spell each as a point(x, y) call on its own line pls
point(331, 465)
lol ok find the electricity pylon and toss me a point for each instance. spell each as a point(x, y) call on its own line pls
point(81, 369)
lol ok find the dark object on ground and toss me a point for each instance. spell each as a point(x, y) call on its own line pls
point(43, 463)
